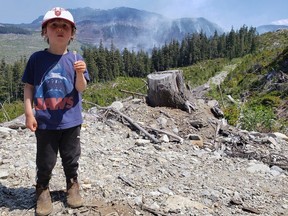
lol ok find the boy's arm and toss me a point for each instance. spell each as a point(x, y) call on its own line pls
point(31, 122)
point(81, 82)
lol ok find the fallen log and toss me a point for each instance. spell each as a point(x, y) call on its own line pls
point(155, 140)
point(127, 118)
point(180, 139)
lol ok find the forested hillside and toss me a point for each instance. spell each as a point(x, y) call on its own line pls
point(107, 64)
point(260, 85)
point(257, 83)
point(5, 29)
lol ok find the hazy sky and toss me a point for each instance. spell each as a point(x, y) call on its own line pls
point(225, 13)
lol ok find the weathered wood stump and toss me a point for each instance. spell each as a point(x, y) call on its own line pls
point(168, 89)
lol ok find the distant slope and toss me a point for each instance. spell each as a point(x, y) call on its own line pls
point(8, 28)
point(270, 28)
point(15, 46)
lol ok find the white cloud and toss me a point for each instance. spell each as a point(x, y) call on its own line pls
point(280, 22)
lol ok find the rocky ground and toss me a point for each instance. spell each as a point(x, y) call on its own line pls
point(186, 164)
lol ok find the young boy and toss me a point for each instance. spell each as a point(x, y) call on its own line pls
point(54, 79)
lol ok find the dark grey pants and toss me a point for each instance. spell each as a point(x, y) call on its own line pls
point(49, 142)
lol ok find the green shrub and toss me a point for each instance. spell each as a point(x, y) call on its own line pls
point(268, 100)
point(258, 118)
point(11, 111)
point(232, 113)
point(103, 94)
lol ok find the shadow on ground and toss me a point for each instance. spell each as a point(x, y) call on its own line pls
point(23, 199)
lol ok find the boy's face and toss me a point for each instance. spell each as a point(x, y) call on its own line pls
point(59, 30)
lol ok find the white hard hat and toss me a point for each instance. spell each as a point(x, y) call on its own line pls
point(59, 13)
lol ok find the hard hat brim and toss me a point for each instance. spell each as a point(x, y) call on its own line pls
point(48, 20)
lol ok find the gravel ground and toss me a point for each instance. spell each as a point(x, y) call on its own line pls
point(224, 171)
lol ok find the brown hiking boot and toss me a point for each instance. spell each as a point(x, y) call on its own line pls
point(74, 199)
point(44, 204)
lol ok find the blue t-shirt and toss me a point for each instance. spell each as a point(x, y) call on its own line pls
point(57, 103)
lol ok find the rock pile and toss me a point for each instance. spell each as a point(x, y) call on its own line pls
point(198, 166)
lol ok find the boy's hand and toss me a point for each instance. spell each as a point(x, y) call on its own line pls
point(31, 123)
point(79, 66)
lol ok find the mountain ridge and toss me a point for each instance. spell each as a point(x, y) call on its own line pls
point(270, 28)
point(130, 28)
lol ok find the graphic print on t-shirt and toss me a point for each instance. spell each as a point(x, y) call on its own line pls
point(54, 90)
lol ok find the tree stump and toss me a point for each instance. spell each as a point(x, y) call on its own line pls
point(167, 88)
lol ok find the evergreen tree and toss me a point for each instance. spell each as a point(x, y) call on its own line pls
point(155, 59)
point(101, 63)
point(213, 50)
point(90, 58)
point(174, 48)
point(114, 61)
point(4, 95)
point(167, 63)
point(141, 68)
point(231, 44)
point(127, 61)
